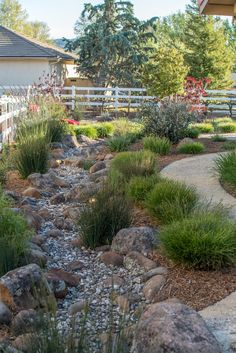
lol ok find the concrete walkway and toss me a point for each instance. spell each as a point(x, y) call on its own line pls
point(199, 172)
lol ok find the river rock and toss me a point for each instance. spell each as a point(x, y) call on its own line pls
point(5, 314)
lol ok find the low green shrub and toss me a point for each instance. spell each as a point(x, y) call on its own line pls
point(104, 130)
point(221, 120)
point(218, 138)
point(226, 167)
point(86, 164)
point(125, 126)
point(160, 145)
point(14, 236)
point(171, 200)
point(192, 133)
point(139, 186)
point(191, 148)
point(129, 164)
point(87, 130)
point(119, 143)
point(226, 127)
point(56, 130)
point(7, 162)
point(229, 145)
point(205, 241)
point(104, 217)
point(204, 128)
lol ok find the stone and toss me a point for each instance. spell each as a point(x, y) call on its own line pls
point(70, 141)
point(56, 145)
point(114, 281)
point(97, 167)
point(83, 191)
point(59, 182)
point(54, 233)
point(103, 248)
point(135, 258)
point(75, 265)
point(69, 278)
point(33, 219)
point(24, 322)
point(55, 163)
point(77, 242)
point(85, 139)
point(173, 328)
point(72, 213)
point(24, 288)
point(154, 272)
point(123, 302)
point(101, 174)
point(38, 240)
point(112, 258)
point(57, 153)
point(108, 157)
point(152, 287)
point(38, 257)
point(32, 192)
point(45, 214)
point(58, 198)
point(36, 180)
point(23, 342)
point(77, 307)
point(184, 141)
point(57, 285)
point(140, 239)
point(5, 314)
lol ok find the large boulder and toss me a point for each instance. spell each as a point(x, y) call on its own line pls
point(170, 327)
point(70, 141)
point(140, 239)
point(24, 288)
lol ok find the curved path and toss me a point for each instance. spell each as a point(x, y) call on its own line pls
point(199, 172)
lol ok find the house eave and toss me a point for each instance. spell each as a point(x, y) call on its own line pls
point(217, 7)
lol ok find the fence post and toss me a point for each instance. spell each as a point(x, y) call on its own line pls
point(116, 99)
point(73, 93)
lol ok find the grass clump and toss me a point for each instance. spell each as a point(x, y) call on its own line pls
point(229, 145)
point(124, 126)
point(191, 148)
point(226, 127)
point(87, 130)
point(204, 128)
point(218, 138)
point(226, 167)
point(129, 164)
point(104, 217)
point(192, 132)
point(119, 143)
point(160, 145)
point(140, 186)
point(14, 235)
point(221, 120)
point(104, 130)
point(170, 201)
point(205, 241)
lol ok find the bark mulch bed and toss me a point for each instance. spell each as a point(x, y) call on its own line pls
point(15, 182)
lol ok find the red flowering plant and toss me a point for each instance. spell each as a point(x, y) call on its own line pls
point(194, 90)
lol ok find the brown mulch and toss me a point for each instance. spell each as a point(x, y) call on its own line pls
point(197, 289)
point(141, 218)
point(15, 182)
point(231, 189)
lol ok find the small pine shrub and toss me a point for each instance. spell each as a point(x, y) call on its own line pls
point(139, 186)
point(204, 128)
point(218, 138)
point(192, 133)
point(160, 145)
point(205, 241)
point(226, 127)
point(171, 200)
point(104, 217)
point(119, 143)
point(87, 130)
point(226, 167)
point(191, 148)
point(129, 164)
point(229, 145)
point(104, 130)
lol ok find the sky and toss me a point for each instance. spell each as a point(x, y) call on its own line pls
point(61, 15)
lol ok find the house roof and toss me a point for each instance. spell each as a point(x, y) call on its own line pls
point(16, 45)
point(217, 7)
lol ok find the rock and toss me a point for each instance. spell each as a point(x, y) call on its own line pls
point(23, 342)
point(38, 240)
point(57, 153)
point(135, 258)
point(24, 322)
point(85, 139)
point(108, 157)
point(97, 167)
point(103, 248)
point(54, 233)
point(173, 328)
point(69, 278)
point(37, 257)
point(75, 265)
point(114, 281)
point(33, 219)
point(141, 239)
point(58, 286)
point(101, 174)
point(61, 223)
point(36, 180)
point(70, 141)
point(152, 287)
point(123, 302)
point(55, 163)
point(112, 258)
point(58, 198)
point(24, 288)
point(45, 214)
point(77, 242)
point(184, 141)
point(154, 272)
point(32, 192)
point(77, 307)
point(72, 213)
point(5, 314)
point(59, 182)
point(83, 192)
point(56, 145)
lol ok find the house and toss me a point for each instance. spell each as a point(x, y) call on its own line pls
point(23, 60)
point(218, 7)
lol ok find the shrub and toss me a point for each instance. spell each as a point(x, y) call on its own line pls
point(158, 145)
point(56, 130)
point(204, 241)
point(218, 138)
point(204, 128)
point(104, 217)
point(104, 130)
point(221, 120)
point(226, 127)
point(226, 167)
point(13, 237)
point(86, 164)
point(87, 130)
point(192, 132)
point(171, 200)
point(125, 126)
point(7, 162)
point(32, 149)
point(169, 120)
point(191, 148)
point(119, 143)
point(139, 186)
point(229, 145)
point(129, 164)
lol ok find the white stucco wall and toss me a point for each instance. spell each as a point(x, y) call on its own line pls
point(22, 72)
